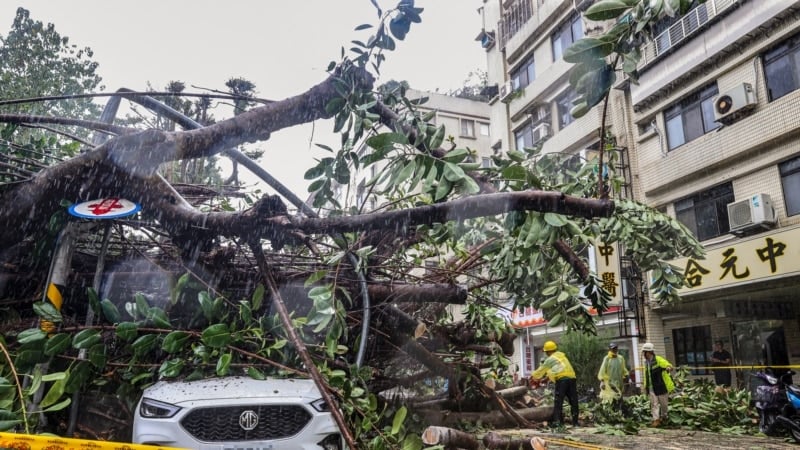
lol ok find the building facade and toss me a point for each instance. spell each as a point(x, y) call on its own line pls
point(524, 42)
point(710, 136)
point(715, 125)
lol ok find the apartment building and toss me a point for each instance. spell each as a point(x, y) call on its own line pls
point(715, 122)
point(711, 136)
point(524, 42)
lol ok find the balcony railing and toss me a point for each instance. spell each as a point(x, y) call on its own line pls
point(679, 32)
point(514, 17)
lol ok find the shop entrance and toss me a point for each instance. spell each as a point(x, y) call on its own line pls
point(759, 343)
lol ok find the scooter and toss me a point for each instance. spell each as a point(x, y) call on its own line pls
point(777, 401)
point(790, 414)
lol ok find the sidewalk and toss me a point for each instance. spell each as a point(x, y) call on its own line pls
point(654, 438)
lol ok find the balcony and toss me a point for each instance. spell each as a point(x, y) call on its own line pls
point(514, 17)
point(680, 32)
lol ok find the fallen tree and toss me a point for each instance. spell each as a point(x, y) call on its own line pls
point(349, 302)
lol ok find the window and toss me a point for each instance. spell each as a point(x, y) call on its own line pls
point(782, 68)
point(693, 347)
point(706, 213)
point(484, 127)
point(790, 179)
point(467, 128)
point(565, 35)
point(531, 134)
point(524, 74)
point(692, 117)
point(564, 102)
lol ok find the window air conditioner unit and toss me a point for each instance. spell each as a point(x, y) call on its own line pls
point(541, 132)
point(729, 105)
point(753, 212)
point(505, 91)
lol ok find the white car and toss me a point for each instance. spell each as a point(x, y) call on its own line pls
point(236, 413)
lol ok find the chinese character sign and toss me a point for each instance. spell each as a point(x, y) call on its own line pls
point(607, 266)
point(759, 258)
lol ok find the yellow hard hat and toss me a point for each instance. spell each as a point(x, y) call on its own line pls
point(550, 346)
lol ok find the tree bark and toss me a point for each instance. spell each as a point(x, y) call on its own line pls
point(490, 418)
point(449, 437)
point(495, 441)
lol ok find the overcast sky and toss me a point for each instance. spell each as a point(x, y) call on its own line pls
point(282, 46)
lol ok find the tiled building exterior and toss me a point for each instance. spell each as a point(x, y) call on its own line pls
point(713, 121)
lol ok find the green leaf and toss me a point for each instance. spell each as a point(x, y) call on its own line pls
point(142, 306)
point(216, 336)
point(86, 338)
point(47, 311)
point(127, 331)
point(57, 343)
point(335, 105)
point(31, 335)
point(110, 311)
point(224, 365)
point(255, 373)
point(144, 344)
point(319, 293)
point(606, 9)
point(442, 189)
point(258, 297)
point(555, 220)
point(456, 155)
point(314, 277)
point(175, 341)
point(94, 301)
point(587, 49)
point(171, 368)
point(387, 141)
point(579, 110)
point(54, 393)
point(453, 173)
point(80, 374)
point(178, 288)
point(206, 304)
point(159, 318)
point(437, 138)
point(58, 406)
point(97, 356)
point(399, 418)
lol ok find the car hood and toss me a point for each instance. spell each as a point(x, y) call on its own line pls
point(176, 392)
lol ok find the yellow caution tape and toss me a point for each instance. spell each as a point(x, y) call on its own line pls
point(14, 441)
point(731, 367)
point(576, 444)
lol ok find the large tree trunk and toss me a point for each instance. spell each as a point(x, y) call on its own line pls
point(492, 418)
point(449, 438)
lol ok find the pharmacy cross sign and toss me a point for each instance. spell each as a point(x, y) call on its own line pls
point(104, 208)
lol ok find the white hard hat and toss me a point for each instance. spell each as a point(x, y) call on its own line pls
point(648, 347)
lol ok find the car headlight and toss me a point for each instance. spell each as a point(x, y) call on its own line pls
point(154, 409)
point(320, 405)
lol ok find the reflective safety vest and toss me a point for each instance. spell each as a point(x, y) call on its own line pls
point(556, 367)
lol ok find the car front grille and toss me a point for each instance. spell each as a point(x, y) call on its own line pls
point(220, 424)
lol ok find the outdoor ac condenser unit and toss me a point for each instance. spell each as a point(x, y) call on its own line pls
point(753, 212)
point(732, 103)
point(505, 91)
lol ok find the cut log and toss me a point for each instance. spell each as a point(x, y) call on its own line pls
point(496, 441)
point(513, 392)
point(449, 437)
point(492, 418)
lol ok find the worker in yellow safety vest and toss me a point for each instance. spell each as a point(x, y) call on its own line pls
point(558, 369)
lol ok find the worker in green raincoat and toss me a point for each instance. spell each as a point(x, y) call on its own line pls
point(612, 375)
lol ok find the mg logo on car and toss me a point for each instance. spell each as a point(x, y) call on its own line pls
point(248, 420)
